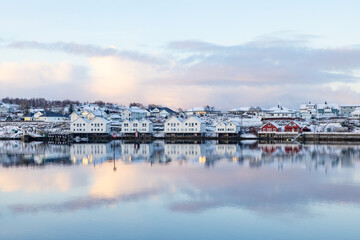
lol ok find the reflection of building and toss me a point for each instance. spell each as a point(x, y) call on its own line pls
point(136, 152)
point(227, 149)
point(90, 153)
point(184, 151)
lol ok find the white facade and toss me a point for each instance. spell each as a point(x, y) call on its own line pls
point(141, 126)
point(227, 127)
point(280, 112)
point(356, 114)
point(133, 113)
point(308, 111)
point(84, 125)
point(190, 125)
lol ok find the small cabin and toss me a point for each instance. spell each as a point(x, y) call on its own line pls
point(293, 126)
point(270, 127)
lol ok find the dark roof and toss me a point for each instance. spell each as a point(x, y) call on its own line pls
point(29, 115)
point(52, 114)
point(164, 108)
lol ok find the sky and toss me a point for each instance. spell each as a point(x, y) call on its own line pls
point(184, 54)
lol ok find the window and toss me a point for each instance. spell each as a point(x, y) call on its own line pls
point(269, 125)
point(274, 129)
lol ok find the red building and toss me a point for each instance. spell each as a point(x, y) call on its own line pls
point(293, 127)
point(270, 127)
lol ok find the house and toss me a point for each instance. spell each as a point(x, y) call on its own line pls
point(280, 112)
point(173, 125)
point(293, 126)
point(227, 128)
point(28, 117)
point(161, 112)
point(346, 110)
point(133, 113)
point(49, 116)
point(114, 117)
point(308, 111)
point(84, 125)
point(191, 126)
point(202, 111)
point(142, 126)
point(327, 110)
point(270, 127)
point(5, 109)
point(356, 113)
point(251, 111)
point(91, 114)
point(194, 125)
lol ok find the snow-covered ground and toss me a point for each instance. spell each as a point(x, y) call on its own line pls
point(16, 129)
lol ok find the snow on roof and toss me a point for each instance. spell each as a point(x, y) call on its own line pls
point(357, 111)
point(280, 109)
point(322, 106)
point(350, 105)
point(196, 118)
point(202, 109)
point(273, 123)
point(296, 122)
point(178, 118)
point(240, 109)
point(136, 109)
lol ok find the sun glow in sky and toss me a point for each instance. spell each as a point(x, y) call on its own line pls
point(181, 53)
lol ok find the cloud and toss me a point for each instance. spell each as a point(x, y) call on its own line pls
point(42, 79)
point(87, 50)
point(275, 68)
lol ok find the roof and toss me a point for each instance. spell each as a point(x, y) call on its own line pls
point(179, 119)
point(275, 124)
point(196, 118)
point(202, 109)
point(136, 109)
point(296, 122)
point(163, 108)
point(51, 114)
point(322, 106)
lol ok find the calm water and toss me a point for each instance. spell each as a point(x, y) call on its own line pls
point(179, 191)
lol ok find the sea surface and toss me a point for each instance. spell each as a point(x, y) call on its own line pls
point(175, 191)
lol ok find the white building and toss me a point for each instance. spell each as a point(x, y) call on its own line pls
point(160, 112)
point(48, 116)
point(346, 110)
point(141, 126)
point(191, 125)
point(84, 125)
point(327, 110)
point(133, 113)
point(202, 111)
point(308, 111)
point(279, 112)
point(227, 127)
point(246, 111)
point(356, 114)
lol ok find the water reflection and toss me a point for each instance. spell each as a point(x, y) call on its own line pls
point(14, 153)
point(162, 181)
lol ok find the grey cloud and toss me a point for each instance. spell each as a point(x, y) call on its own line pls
point(85, 50)
point(266, 62)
